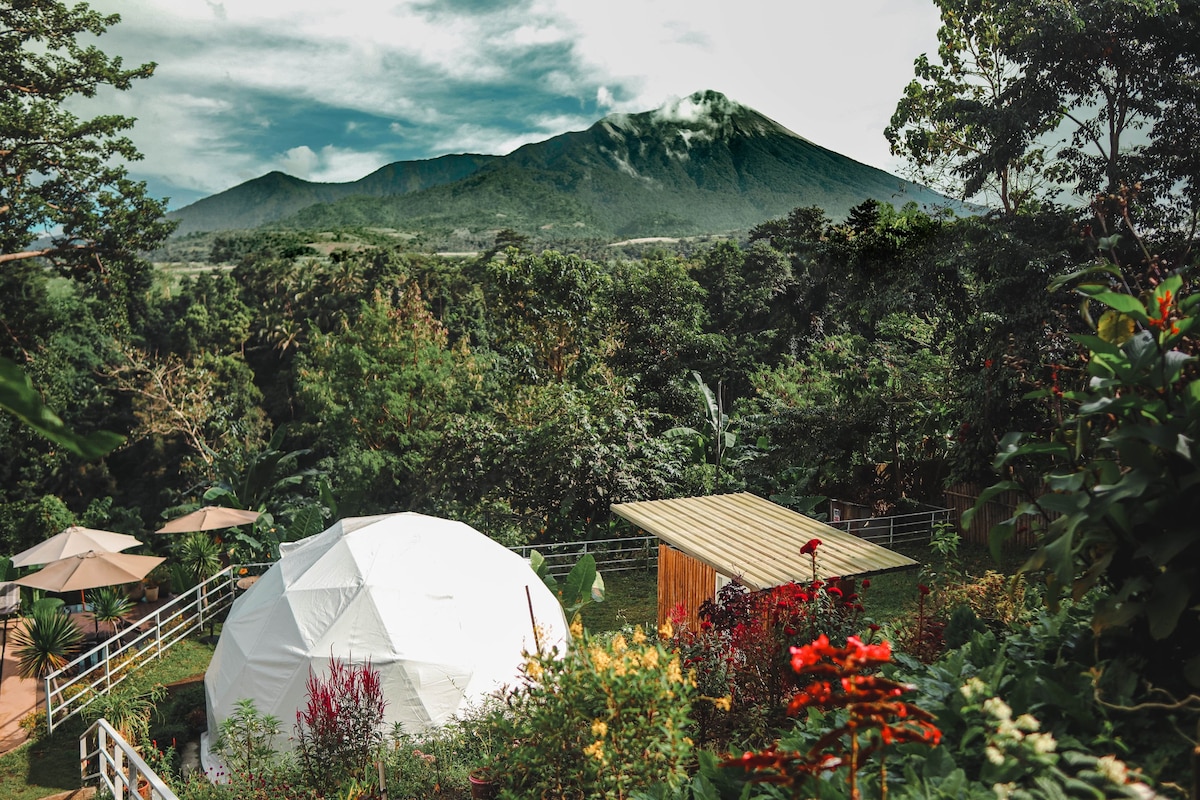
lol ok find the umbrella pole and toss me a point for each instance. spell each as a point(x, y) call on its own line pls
point(3, 648)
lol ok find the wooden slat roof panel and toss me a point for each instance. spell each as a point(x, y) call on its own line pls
point(756, 541)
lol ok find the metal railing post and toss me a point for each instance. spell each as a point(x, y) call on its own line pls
point(49, 707)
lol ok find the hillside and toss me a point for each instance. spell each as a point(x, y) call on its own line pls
point(699, 165)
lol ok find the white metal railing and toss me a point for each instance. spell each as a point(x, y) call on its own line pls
point(106, 757)
point(913, 528)
point(612, 555)
point(78, 684)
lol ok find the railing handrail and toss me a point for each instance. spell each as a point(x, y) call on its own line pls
point(149, 643)
point(120, 768)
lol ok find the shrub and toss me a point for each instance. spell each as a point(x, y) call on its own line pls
point(743, 649)
point(244, 741)
point(606, 718)
point(872, 717)
point(340, 727)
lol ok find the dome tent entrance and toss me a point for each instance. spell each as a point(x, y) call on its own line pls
point(442, 611)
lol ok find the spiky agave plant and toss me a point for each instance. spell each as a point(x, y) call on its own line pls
point(45, 643)
point(109, 605)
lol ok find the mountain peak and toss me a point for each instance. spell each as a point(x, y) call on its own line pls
point(704, 109)
point(706, 115)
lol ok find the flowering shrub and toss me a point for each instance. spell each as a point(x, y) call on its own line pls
point(1023, 762)
point(605, 718)
point(743, 648)
point(340, 727)
point(875, 717)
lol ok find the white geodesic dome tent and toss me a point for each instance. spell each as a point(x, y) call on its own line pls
point(437, 607)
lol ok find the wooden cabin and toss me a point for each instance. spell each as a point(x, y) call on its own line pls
point(706, 541)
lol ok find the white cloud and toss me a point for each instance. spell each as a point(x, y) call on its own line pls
point(831, 72)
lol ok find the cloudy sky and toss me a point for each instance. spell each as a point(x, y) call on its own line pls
point(330, 90)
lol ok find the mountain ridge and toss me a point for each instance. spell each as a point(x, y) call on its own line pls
point(700, 164)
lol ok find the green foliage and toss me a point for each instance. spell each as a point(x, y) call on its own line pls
point(199, 555)
point(546, 312)
point(109, 605)
point(18, 397)
point(127, 710)
point(582, 586)
point(602, 719)
point(1110, 487)
point(245, 741)
point(46, 641)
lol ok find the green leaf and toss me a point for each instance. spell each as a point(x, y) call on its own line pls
point(986, 496)
point(18, 396)
point(1168, 598)
point(1126, 304)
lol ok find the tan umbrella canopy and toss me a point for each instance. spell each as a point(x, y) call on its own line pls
point(209, 518)
point(71, 542)
point(89, 570)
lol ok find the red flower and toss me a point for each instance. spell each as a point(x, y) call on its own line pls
point(866, 584)
point(923, 589)
point(810, 547)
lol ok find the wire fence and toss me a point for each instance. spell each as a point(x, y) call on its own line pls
point(914, 528)
point(629, 554)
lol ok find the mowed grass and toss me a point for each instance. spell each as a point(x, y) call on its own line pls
point(630, 598)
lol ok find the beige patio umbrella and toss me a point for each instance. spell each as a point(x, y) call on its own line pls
point(73, 541)
point(209, 518)
point(89, 570)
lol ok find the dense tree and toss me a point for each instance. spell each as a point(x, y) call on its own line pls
point(1113, 80)
point(63, 178)
point(376, 396)
point(658, 310)
point(954, 114)
point(545, 313)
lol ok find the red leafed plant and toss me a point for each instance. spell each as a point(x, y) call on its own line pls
point(844, 678)
point(341, 724)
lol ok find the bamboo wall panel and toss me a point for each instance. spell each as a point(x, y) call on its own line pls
point(962, 496)
point(683, 580)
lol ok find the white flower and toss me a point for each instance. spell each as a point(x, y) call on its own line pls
point(973, 689)
point(997, 708)
point(1041, 743)
point(1004, 790)
point(994, 755)
point(1113, 769)
point(1027, 722)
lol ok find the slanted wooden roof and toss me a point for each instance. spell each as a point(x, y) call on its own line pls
point(756, 541)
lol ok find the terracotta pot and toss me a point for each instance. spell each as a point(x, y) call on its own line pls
point(483, 785)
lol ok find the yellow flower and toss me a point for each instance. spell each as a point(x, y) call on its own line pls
point(621, 666)
point(650, 658)
point(723, 703)
point(674, 673)
point(533, 669)
point(618, 643)
point(577, 627)
point(600, 659)
point(667, 630)
point(595, 750)
point(639, 636)
point(599, 728)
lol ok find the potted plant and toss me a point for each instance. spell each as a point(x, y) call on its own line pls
point(160, 578)
point(483, 783)
point(150, 585)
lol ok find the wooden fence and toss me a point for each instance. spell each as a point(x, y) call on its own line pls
point(962, 496)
